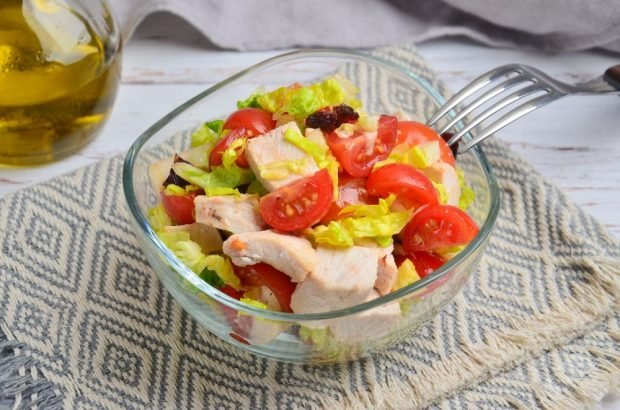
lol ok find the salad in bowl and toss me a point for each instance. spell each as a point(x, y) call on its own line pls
point(300, 203)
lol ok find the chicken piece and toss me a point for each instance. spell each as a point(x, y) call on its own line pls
point(236, 214)
point(263, 331)
point(371, 324)
point(206, 236)
point(387, 271)
point(291, 255)
point(445, 174)
point(271, 148)
point(342, 278)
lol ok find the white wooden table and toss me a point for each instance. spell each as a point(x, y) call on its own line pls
point(575, 142)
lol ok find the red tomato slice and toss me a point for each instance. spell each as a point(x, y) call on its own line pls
point(351, 191)
point(254, 120)
point(300, 204)
point(412, 188)
point(438, 226)
point(180, 208)
point(262, 274)
point(215, 158)
point(230, 291)
point(352, 152)
point(425, 262)
point(238, 324)
point(414, 133)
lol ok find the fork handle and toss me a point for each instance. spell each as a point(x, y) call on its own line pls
point(612, 76)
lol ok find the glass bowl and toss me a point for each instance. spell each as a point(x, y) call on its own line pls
point(385, 88)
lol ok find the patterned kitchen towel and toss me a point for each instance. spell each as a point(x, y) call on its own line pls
point(87, 324)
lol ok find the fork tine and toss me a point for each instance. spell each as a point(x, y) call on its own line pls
point(477, 84)
point(506, 101)
point(511, 116)
point(501, 87)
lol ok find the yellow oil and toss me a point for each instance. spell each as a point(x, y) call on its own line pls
point(56, 89)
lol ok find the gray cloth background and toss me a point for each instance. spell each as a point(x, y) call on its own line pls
point(552, 25)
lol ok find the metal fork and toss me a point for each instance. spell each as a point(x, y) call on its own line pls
point(499, 82)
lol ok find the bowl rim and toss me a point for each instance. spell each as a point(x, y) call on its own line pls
point(141, 220)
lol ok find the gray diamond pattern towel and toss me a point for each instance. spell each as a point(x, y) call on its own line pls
point(86, 324)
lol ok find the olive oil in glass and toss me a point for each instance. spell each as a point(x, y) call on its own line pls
point(59, 72)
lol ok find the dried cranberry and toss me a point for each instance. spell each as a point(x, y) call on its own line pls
point(323, 119)
point(329, 119)
point(345, 114)
point(454, 147)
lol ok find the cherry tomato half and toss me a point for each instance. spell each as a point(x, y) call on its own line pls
point(180, 208)
point(217, 153)
point(352, 152)
point(414, 133)
point(262, 274)
point(351, 191)
point(412, 188)
point(300, 204)
point(254, 120)
point(438, 226)
point(425, 262)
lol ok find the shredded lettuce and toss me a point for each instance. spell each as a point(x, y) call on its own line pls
point(367, 122)
point(257, 188)
point(373, 227)
point(419, 156)
point(318, 337)
point(321, 155)
point(222, 266)
point(442, 194)
point(333, 234)
point(467, 194)
point(158, 218)
point(186, 250)
point(217, 180)
point(301, 101)
point(234, 150)
point(253, 302)
point(190, 253)
point(449, 252)
point(211, 277)
point(376, 222)
point(208, 133)
point(382, 208)
point(222, 191)
point(282, 169)
point(250, 102)
point(406, 275)
point(172, 189)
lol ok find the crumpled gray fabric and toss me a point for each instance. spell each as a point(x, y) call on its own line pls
point(551, 25)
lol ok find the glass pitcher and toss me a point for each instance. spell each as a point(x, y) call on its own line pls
point(59, 72)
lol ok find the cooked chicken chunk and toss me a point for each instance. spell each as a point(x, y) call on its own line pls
point(236, 214)
point(445, 174)
point(387, 271)
point(342, 278)
point(291, 255)
point(207, 237)
point(371, 324)
point(272, 149)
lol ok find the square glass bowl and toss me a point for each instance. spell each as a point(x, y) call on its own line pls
point(384, 88)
